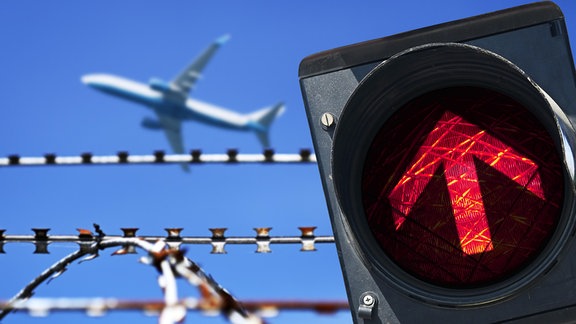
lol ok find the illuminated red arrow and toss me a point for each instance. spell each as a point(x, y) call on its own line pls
point(454, 142)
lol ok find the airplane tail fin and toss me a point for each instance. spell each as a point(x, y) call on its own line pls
point(262, 119)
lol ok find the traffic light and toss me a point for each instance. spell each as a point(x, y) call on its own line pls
point(446, 156)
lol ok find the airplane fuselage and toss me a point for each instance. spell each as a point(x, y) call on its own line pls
point(169, 103)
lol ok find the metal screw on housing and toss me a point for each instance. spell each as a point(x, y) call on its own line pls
point(327, 120)
point(368, 301)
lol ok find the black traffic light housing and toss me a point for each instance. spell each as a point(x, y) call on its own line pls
point(367, 106)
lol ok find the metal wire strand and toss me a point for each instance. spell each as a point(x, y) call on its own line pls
point(100, 306)
point(232, 156)
point(218, 240)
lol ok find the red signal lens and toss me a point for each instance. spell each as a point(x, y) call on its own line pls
point(462, 187)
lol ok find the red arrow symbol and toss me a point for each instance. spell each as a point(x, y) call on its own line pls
point(454, 142)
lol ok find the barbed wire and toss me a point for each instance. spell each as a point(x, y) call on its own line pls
point(218, 240)
point(41, 307)
point(170, 263)
point(231, 156)
point(163, 250)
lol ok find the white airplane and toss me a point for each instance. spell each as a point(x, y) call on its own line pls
point(172, 105)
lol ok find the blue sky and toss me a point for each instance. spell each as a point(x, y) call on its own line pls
point(48, 46)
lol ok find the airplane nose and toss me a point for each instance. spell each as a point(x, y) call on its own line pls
point(88, 79)
point(97, 81)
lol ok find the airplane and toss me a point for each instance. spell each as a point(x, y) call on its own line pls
point(172, 105)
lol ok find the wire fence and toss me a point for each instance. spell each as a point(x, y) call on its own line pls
point(218, 240)
point(165, 255)
point(231, 156)
point(97, 307)
point(162, 251)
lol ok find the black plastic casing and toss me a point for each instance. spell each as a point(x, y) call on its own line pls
point(534, 39)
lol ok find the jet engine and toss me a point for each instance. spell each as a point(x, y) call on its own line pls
point(160, 85)
point(150, 123)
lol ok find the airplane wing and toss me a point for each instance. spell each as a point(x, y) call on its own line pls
point(173, 130)
point(186, 80)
